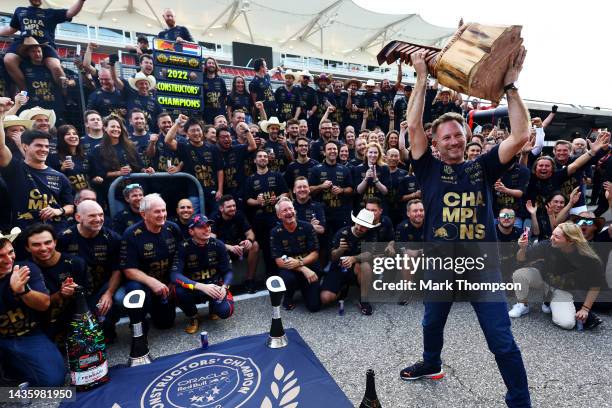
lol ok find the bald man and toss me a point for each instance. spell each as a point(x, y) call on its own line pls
point(99, 247)
point(174, 32)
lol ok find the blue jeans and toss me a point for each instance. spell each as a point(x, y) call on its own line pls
point(188, 299)
point(34, 358)
point(495, 324)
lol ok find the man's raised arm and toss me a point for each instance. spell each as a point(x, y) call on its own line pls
point(414, 112)
point(517, 112)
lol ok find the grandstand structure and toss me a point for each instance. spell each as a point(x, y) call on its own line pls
point(337, 37)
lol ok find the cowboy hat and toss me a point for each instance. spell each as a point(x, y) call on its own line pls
point(28, 42)
point(370, 82)
point(289, 73)
point(13, 120)
point(141, 76)
point(323, 77)
point(348, 83)
point(11, 235)
point(365, 218)
point(264, 124)
point(599, 222)
point(305, 74)
point(28, 114)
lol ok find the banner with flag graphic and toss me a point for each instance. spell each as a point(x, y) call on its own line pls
point(242, 372)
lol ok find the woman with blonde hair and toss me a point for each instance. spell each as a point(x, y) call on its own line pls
point(372, 177)
point(571, 272)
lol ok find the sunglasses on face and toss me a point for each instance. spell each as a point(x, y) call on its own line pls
point(506, 215)
point(584, 221)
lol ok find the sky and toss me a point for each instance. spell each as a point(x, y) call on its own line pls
point(568, 43)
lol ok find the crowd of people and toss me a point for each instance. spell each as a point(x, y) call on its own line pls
point(299, 176)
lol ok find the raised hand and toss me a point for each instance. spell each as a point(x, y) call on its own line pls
point(515, 66)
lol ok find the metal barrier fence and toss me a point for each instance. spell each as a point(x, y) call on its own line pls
point(112, 202)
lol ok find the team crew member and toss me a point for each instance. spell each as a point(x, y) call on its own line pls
point(449, 181)
point(276, 145)
point(147, 251)
point(287, 99)
point(263, 189)
point(62, 273)
point(40, 24)
point(372, 177)
point(99, 247)
point(140, 136)
point(348, 263)
point(133, 194)
point(393, 199)
point(306, 209)
point(184, 212)
point(107, 99)
point(572, 271)
point(38, 193)
point(94, 131)
point(295, 248)
point(331, 183)
point(384, 232)
point(70, 158)
point(25, 350)
point(201, 160)
point(214, 91)
point(202, 273)
point(301, 166)
point(507, 236)
point(174, 32)
point(234, 156)
point(232, 227)
point(261, 89)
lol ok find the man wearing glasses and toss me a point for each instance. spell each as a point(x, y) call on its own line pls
point(507, 236)
point(133, 194)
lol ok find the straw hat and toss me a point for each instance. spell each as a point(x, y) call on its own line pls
point(289, 73)
point(365, 218)
point(27, 43)
point(11, 235)
point(14, 120)
point(264, 124)
point(305, 74)
point(141, 76)
point(28, 114)
point(348, 83)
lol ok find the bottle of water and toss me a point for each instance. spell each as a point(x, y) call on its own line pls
point(341, 307)
point(579, 325)
point(342, 268)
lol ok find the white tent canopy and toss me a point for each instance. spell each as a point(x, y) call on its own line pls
point(333, 29)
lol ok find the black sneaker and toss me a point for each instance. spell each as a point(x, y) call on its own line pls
point(365, 308)
point(592, 321)
point(421, 370)
point(250, 286)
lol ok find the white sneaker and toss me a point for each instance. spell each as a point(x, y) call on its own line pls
point(546, 309)
point(518, 310)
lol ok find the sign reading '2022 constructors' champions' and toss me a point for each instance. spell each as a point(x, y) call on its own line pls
point(178, 75)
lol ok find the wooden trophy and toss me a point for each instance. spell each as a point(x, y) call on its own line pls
point(473, 62)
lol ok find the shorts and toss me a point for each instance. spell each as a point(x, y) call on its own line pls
point(335, 280)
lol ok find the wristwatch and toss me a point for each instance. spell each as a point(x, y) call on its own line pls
point(26, 290)
point(63, 210)
point(510, 86)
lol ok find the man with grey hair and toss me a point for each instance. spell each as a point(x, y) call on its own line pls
point(174, 32)
point(147, 251)
point(99, 247)
point(295, 249)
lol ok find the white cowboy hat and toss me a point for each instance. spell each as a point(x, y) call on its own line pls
point(11, 235)
point(28, 114)
point(305, 73)
point(365, 218)
point(370, 82)
point(273, 121)
point(13, 120)
point(141, 76)
point(289, 73)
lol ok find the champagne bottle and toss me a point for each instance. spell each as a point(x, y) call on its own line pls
point(370, 400)
point(85, 347)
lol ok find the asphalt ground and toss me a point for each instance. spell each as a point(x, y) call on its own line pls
point(565, 368)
